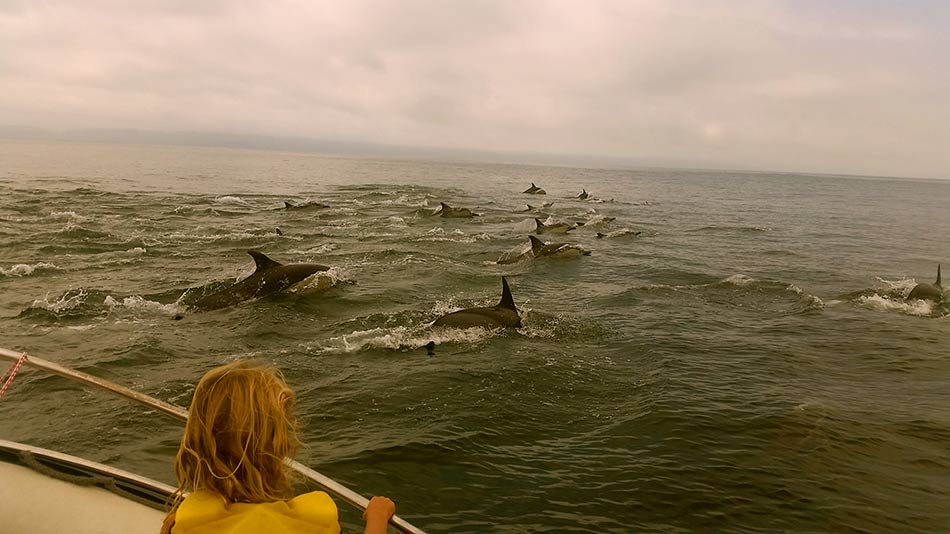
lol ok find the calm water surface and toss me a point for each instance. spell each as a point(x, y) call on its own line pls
point(747, 363)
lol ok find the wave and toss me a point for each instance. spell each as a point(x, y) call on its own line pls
point(317, 250)
point(23, 269)
point(179, 237)
point(73, 230)
point(745, 291)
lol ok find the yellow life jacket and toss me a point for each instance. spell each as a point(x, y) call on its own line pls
point(203, 512)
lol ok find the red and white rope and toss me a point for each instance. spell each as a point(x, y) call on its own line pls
point(12, 371)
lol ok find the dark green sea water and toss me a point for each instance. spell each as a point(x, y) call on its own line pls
point(746, 364)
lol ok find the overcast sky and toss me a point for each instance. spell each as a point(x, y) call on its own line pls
point(849, 86)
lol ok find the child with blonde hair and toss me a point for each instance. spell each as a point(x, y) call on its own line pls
point(240, 428)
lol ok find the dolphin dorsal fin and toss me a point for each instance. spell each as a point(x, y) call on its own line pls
point(937, 283)
point(262, 261)
point(538, 222)
point(536, 245)
point(532, 185)
point(288, 204)
point(506, 300)
point(444, 206)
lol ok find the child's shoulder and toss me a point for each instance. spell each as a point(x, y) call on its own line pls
point(316, 504)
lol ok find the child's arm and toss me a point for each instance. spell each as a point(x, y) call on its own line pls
point(377, 515)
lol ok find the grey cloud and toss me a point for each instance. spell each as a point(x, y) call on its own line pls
point(782, 85)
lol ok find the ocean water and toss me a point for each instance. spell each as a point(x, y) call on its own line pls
point(746, 363)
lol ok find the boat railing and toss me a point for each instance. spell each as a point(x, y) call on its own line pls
point(328, 484)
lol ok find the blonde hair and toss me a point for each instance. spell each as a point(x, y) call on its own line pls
point(240, 428)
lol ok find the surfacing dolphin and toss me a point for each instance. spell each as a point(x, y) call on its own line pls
point(288, 205)
point(448, 211)
point(268, 278)
point(619, 233)
point(534, 190)
point(926, 291)
point(502, 315)
point(583, 196)
point(556, 228)
point(540, 248)
point(536, 208)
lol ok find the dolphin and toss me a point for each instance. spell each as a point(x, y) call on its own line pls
point(504, 314)
point(268, 278)
point(288, 205)
point(448, 211)
point(601, 222)
point(536, 208)
point(540, 248)
point(926, 291)
point(534, 190)
point(584, 195)
point(557, 228)
point(619, 233)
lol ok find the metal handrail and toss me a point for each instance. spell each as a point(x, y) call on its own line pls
point(178, 412)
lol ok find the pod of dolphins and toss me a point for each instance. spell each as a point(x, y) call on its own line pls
point(270, 276)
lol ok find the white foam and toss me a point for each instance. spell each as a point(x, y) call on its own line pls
point(230, 199)
point(739, 280)
point(66, 215)
point(23, 269)
point(912, 307)
point(397, 222)
point(324, 279)
point(901, 287)
point(137, 303)
point(67, 301)
point(234, 236)
point(402, 338)
point(455, 236)
point(816, 302)
point(319, 249)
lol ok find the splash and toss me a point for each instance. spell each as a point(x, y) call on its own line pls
point(70, 300)
point(877, 302)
